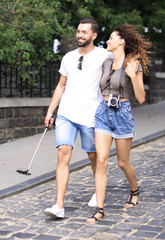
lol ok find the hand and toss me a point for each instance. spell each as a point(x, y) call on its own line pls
point(131, 68)
point(49, 119)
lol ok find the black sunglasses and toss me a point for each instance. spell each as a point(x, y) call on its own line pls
point(79, 66)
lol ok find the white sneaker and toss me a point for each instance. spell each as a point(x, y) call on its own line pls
point(55, 211)
point(93, 201)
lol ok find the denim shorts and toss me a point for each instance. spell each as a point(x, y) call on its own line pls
point(66, 132)
point(117, 122)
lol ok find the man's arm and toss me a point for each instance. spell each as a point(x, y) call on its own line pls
point(55, 100)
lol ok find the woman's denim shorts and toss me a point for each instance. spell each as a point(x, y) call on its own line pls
point(117, 122)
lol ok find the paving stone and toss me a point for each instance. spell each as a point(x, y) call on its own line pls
point(4, 233)
point(114, 207)
point(94, 228)
point(37, 230)
point(106, 223)
point(47, 237)
point(149, 235)
point(74, 226)
point(157, 223)
point(99, 236)
point(161, 236)
point(132, 238)
point(139, 212)
point(23, 235)
point(14, 228)
point(59, 231)
point(115, 218)
point(120, 232)
point(25, 219)
point(150, 228)
point(81, 234)
point(137, 220)
point(127, 226)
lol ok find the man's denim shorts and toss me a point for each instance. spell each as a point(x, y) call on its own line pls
point(117, 122)
point(66, 132)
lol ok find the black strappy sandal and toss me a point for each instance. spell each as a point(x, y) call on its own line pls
point(132, 194)
point(98, 210)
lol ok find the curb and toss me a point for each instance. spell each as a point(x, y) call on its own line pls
point(26, 185)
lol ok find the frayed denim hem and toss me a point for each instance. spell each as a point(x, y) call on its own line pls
point(124, 136)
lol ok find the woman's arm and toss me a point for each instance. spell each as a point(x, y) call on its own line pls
point(137, 80)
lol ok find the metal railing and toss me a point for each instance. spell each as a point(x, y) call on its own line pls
point(12, 85)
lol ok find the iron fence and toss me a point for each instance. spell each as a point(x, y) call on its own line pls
point(12, 85)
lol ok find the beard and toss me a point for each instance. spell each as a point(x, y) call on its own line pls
point(84, 44)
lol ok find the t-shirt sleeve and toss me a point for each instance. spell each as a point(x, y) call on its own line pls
point(103, 66)
point(106, 64)
point(63, 70)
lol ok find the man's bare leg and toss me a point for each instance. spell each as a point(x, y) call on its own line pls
point(62, 173)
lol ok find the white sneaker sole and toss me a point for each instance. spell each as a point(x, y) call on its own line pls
point(90, 205)
point(51, 214)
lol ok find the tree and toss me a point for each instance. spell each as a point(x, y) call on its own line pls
point(105, 12)
point(29, 27)
point(149, 15)
point(27, 32)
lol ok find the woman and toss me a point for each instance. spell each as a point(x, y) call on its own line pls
point(113, 118)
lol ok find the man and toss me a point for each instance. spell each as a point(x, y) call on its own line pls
point(78, 93)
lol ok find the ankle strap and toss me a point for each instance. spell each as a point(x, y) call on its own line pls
point(98, 208)
point(135, 193)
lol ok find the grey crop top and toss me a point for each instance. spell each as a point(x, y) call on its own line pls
point(126, 86)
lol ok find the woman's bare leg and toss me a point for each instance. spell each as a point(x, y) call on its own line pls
point(123, 147)
point(103, 144)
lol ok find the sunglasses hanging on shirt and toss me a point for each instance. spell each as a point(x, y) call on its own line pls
point(79, 66)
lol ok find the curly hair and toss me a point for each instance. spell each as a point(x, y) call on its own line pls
point(135, 44)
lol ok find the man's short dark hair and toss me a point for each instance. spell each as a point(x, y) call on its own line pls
point(94, 26)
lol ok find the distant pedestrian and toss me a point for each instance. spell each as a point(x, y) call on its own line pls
point(114, 118)
point(78, 95)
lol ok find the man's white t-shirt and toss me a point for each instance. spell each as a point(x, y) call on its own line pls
point(82, 92)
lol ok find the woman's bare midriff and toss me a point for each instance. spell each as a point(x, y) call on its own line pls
point(106, 97)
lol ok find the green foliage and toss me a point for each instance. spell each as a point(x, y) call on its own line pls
point(107, 13)
point(147, 14)
point(29, 27)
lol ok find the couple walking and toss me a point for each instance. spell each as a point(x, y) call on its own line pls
point(93, 95)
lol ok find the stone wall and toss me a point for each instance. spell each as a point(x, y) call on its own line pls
point(21, 117)
point(157, 87)
point(156, 81)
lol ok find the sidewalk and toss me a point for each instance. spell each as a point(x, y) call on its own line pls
point(150, 124)
point(22, 215)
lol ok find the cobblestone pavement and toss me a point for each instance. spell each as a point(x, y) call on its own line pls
point(22, 216)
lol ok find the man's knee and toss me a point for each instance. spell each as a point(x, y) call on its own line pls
point(92, 156)
point(64, 153)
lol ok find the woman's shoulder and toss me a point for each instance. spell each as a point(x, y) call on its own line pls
point(107, 63)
